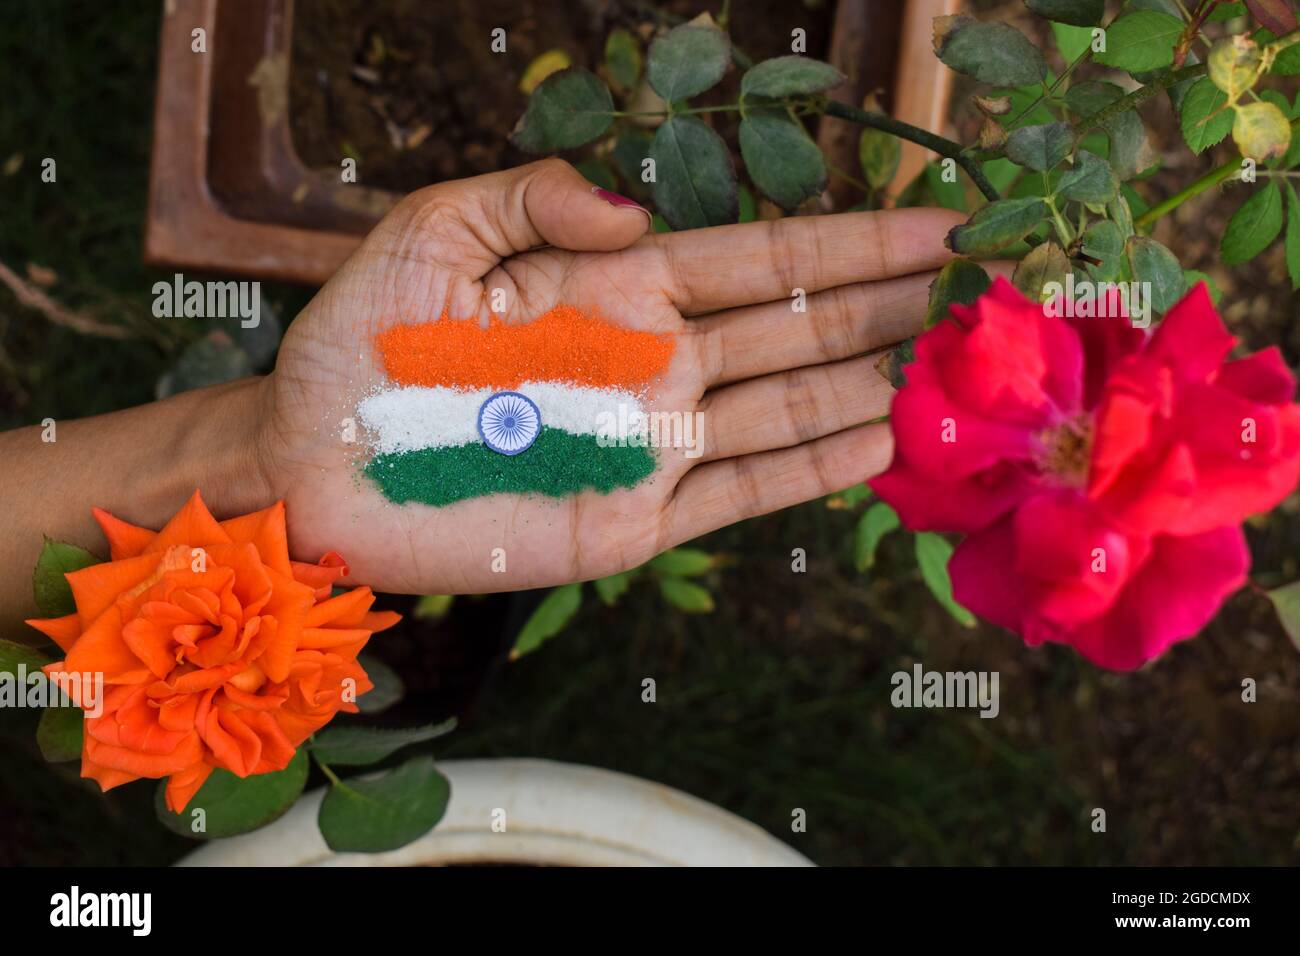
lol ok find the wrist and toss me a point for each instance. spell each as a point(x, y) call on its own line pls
point(216, 445)
point(141, 464)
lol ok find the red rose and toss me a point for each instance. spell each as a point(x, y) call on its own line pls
point(1100, 472)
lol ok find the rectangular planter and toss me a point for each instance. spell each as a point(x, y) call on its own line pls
point(229, 194)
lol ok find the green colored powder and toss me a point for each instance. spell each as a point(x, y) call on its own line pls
point(559, 463)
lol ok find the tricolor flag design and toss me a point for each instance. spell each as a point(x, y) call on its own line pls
point(546, 407)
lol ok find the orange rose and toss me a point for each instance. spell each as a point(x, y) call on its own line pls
point(216, 649)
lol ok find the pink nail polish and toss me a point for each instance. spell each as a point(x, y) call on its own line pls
point(614, 199)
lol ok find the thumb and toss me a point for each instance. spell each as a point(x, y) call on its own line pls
point(551, 203)
point(472, 224)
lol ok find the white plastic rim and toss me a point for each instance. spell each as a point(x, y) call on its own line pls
point(555, 814)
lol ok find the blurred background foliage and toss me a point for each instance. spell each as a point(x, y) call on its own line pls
point(777, 699)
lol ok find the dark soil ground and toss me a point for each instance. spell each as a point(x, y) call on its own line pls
point(777, 701)
point(368, 77)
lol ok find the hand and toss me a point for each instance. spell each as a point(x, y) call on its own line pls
point(786, 396)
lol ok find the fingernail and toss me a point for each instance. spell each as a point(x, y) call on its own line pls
point(614, 199)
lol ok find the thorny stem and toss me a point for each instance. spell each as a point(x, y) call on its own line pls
point(914, 134)
point(725, 108)
point(1211, 179)
point(1073, 65)
point(939, 144)
point(1137, 98)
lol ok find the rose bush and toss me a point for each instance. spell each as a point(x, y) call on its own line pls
point(1100, 472)
point(217, 650)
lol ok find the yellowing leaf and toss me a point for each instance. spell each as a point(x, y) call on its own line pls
point(1261, 131)
point(552, 61)
point(1235, 64)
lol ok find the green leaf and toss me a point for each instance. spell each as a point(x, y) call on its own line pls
point(1136, 203)
point(997, 226)
point(1073, 42)
point(1286, 601)
point(570, 108)
point(610, 589)
point(433, 607)
point(630, 152)
point(1040, 147)
point(1287, 62)
point(1152, 263)
point(879, 154)
point(932, 554)
point(783, 162)
point(388, 688)
point(1204, 120)
point(1091, 96)
point(59, 734)
point(1130, 150)
point(990, 52)
point(790, 76)
point(49, 584)
point(950, 194)
point(1253, 226)
point(1045, 264)
point(1002, 173)
point(1192, 277)
point(748, 205)
point(622, 58)
point(849, 498)
point(1104, 241)
point(354, 746)
point(1141, 41)
point(1090, 180)
point(1293, 236)
point(550, 617)
point(1121, 214)
point(695, 182)
point(960, 281)
point(597, 173)
point(683, 562)
point(376, 814)
point(232, 806)
point(686, 595)
point(12, 654)
point(1227, 11)
point(876, 522)
point(1292, 157)
point(1081, 13)
point(687, 60)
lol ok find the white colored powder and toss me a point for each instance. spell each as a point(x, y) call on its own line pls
point(413, 417)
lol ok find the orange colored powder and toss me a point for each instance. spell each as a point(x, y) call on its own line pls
point(564, 344)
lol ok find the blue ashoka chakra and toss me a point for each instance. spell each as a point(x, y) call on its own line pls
point(509, 422)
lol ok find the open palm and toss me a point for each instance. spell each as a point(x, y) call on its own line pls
point(786, 395)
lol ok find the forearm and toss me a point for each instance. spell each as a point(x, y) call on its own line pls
point(141, 464)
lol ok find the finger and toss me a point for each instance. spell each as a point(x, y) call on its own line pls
point(475, 223)
point(790, 408)
point(727, 266)
point(847, 320)
point(724, 492)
